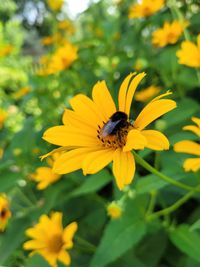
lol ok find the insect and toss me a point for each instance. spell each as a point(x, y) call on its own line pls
point(116, 122)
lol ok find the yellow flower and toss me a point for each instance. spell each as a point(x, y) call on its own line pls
point(190, 147)
point(168, 34)
point(60, 60)
point(189, 54)
point(47, 40)
point(67, 26)
point(145, 8)
point(3, 116)
point(21, 92)
point(50, 240)
point(6, 50)
point(55, 5)
point(147, 93)
point(45, 176)
point(5, 213)
point(96, 133)
point(114, 210)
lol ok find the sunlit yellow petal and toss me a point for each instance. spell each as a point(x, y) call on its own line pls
point(33, 244)
point(152, 111)
point(86, 109)
point(56, 218)
point(68, 233)
point(161, 96)
point(156, 140)
point(135, 140)
point(123, 92)
point(69, 136)
point(123, 168)
point(131, 90)
point(103, 99)
point(195, 119)
point(70, 118)
point(187, 146)
point(97, 160)
point(71, 160)
point(192, 164)
point(193, 129)
point(64, 257)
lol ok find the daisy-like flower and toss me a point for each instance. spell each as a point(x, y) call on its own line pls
point(5, 213)
point(145, 8)
point(190, 147)
point(168, 34)
point(55, 5)
point(189, 54)
point(96, 133)
point(45, 176)
point(3, 116)
point(62, 59)
point(147, 93)
point(50, 240)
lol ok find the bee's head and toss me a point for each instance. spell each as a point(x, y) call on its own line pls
point(119, 115)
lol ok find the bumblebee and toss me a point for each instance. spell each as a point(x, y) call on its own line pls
point(117, 121)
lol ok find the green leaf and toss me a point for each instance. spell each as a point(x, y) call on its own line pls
point(187, 241)
point(195, 225)
point(93, 183)
point(36, 260)
point(119, 236)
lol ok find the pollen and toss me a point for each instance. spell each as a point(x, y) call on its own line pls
point(115, 140)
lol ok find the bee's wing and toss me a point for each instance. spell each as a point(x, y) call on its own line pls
point(108, 128)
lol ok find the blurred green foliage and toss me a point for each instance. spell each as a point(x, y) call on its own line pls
point(109, 45)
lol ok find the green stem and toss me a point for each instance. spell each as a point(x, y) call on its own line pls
point(152, 202)
point(87, 245)
point(164, 177)
point(173, 207)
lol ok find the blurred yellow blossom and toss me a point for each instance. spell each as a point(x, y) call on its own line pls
point(45, 176)
point(190, 147)
point(3, 116)
point(114, 210)
point(6, 50)
point(21, 92)
point(145, 8)
point(1, 153)
point(62, 58)
point(168, 34)
point(67, 26)
point(50, 240)
point(5, 212)
point(147, 93)
point(189, 54)
point(55, 5)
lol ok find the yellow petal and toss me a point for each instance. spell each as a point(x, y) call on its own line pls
point(68, 233)
point(70, 118)
point(131, 90)
point(68, 136)
point(103, 99)
point(135, 140)
point(71, 160)
point(195, 119)
point(192, 164)
point(123, 92)
point(156, 140)
point(64, 257)
point(152, 111)
point(56, 218)
point(187, 146)
point(123, 168)
point(87, 110)
point(97, 160)
point(33, 244)
point(161, 96)
point(193, 129)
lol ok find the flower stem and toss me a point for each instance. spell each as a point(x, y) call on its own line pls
point(173, 207)
point(82, 243)
point(164, 177)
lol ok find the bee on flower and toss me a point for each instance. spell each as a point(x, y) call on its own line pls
point(5, 212)
point(50, 239)
point(145, 8)
point(45, 176)
point(190, 147)
point(189, 54)
point(169, 33)
point(95, 132)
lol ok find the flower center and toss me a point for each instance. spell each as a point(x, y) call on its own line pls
point(55, 243)
point(114, 132)
point(3, 214)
